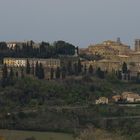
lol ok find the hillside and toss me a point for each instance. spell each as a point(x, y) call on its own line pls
point(67, 105)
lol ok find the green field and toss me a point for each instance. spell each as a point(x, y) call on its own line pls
point(22, 135)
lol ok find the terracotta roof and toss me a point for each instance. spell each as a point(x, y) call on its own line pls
point(123, 56)
point(116, 96)
point(130, 95)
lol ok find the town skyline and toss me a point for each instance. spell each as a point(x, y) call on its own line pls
point(131, 45)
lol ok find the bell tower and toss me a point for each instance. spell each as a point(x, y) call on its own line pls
point(137, 45)
point(118, 40)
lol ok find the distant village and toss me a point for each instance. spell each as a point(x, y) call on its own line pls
point(61, 60)
point(108, 56)
point(113, 54)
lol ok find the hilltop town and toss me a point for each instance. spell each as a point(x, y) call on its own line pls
point(61, 87)
point(62, 60)
point(108, 56)
point(113, 54)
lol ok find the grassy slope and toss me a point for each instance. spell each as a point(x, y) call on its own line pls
point(21, 135)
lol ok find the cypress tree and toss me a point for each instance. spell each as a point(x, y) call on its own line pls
point(11, 77)
point(4, 72)
point(76, 72)
point(22, 73)
point(52, 73)
point(36, 69)
point(17, 74)
point(41, 71)
point(90, 70)
point(28, 69)
point(124, 68)
point(85, 69)
point(63, 72)
point(4, 76)
point(11, 74)
point(57, 73)
point(69, 68)
point(79, 66)
point(32, 69)
point(100, 73)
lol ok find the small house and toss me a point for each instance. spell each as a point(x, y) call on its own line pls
point(102, 100)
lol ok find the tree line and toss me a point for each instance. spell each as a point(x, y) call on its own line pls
point(44, 50)
point(9, 75)
point(69, 69)
point(38, 70)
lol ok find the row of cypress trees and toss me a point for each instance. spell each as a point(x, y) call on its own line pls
point(8, 76)
point(44, 50)
point(38, 70)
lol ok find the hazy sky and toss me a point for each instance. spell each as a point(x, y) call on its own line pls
point(81, 22)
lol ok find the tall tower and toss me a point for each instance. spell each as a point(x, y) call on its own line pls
point(137, 45)
point(119, 40)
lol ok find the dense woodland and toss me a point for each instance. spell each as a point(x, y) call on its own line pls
point(66, 105)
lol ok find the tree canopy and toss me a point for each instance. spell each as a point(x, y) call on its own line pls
point(44, 50)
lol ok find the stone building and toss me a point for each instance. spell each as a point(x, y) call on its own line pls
point(116, 98)
point(109, 64)
point(102, 100)
point(22, 62)
point(110, 47)
point(18, 63)
point(131, 97)
point(114, 55)
point(137, 45)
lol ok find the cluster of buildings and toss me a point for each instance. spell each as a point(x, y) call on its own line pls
point(21, 63)
point(114, 54)
point(129, 97)
point(125, 97)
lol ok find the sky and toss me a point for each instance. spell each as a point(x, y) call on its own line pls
point(80, 22)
